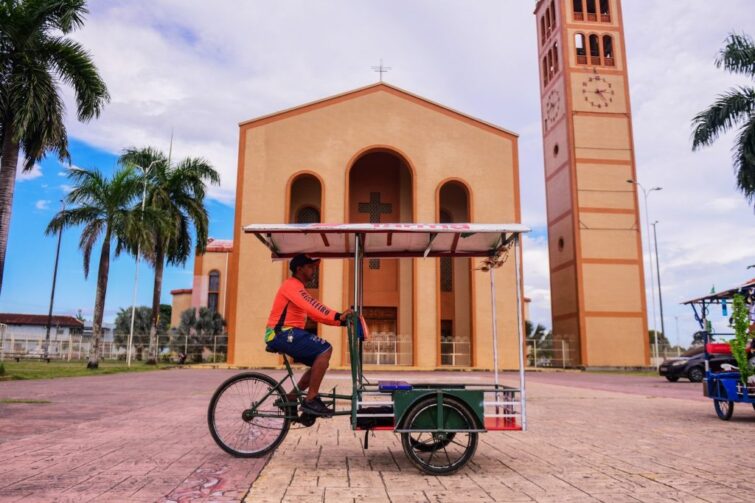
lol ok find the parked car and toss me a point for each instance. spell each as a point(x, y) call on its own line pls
point(691, 365)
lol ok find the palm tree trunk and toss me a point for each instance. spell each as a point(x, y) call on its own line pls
point(99, 302)
point(156, 292)
point(8, 165)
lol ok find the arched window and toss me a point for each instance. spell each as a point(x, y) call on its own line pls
point(446, 263)
point(605, 11)
point(594, 50)
point(553, 15)
point(579, 43)
point(554, 50)
point(545, 71)
point(608, 58)
point(308, 215)
point(213, 291)
point(547, 22)
point(579, 11)
point(543, 35)
point(550, 65)
point(591, 11)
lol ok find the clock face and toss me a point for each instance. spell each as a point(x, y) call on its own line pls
point(597, 91)
point(552, 108)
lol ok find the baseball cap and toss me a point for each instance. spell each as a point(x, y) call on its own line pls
point(300, 260)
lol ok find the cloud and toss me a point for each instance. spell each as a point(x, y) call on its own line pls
point(42, 204)
point(23, 176)
point(66, 188)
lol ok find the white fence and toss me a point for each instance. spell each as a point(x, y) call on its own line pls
point(77, 347)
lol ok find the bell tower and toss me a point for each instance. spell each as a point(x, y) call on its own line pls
point(594, 241)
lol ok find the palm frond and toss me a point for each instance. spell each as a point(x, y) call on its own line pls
point(744, 160)
point(738, 55)
point(729, 109)
point(89, 237)
point(76, 68)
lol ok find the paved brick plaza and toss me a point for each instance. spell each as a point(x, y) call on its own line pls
point(143, 437)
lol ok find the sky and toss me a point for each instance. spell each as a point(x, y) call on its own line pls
point(196, 69)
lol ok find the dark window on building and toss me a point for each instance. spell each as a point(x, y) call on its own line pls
point(555, 58)
point(579, 12)
point(608, 59)
point(579, 43)
point(594, 50)
point(605, 11)
point(213, 291)
point(553, 16)
point(545, 71)
point(591, 11)
point(446, 274)
point(310, 215)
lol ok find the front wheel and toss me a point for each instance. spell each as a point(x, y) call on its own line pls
point(243, 417)
point(439, 452)
point(724, 409)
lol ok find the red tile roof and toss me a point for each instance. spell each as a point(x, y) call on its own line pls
point(39, 319)
point(180, 291)
point(219, 245)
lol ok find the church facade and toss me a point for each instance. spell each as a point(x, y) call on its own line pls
point(377, 154)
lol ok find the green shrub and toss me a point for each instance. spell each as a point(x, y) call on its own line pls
point(740, 322)
point(2, 369)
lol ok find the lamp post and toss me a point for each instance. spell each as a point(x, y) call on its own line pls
point(646, 192)
point(658, 278)
point(136, 270)
point(52, 292)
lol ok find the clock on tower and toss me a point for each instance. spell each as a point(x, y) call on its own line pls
point(596, 263)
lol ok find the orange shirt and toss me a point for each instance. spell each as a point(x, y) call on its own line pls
point(300, 305)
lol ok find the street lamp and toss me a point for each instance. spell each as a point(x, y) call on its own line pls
point(52, 292)
point(136, 271)
point(658, 277)
point(645, 192)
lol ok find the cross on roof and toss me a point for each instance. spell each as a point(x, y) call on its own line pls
point(381, 69)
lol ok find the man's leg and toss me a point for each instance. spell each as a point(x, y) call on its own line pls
point(317, 372)
point(303, 384)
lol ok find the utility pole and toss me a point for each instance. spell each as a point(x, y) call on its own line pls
point(52, 292)
point(658, 277)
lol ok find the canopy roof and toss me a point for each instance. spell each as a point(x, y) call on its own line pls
point(389, 240)
point(746, 288)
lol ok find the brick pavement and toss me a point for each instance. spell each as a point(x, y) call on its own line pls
point(143, 437)
point(120, 438)
point(583, 444)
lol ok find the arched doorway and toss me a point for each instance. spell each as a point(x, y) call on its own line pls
point(455, 280)
point(380, 190)
point(304, 207)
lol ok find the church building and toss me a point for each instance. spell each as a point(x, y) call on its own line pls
point(377, 154)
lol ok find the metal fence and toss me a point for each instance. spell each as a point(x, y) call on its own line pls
point(172, 347)
point(550, 354)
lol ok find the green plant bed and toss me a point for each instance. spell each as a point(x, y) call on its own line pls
point(32, 369)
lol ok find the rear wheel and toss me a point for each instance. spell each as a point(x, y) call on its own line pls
point(695, 374)
point(243, 417)
point(439, 452)
point(672, 378)
point(724, 409)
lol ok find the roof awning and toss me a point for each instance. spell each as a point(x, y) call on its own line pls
point(390, 240)
point(747, 288)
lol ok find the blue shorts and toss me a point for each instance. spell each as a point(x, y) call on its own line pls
point(303, 347)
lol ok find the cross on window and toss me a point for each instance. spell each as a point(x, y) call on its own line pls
point(374, 209)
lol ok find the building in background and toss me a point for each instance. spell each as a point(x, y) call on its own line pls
point(596, 262)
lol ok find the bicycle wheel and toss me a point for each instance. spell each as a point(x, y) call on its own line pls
point(441, 452)
point(242, 416)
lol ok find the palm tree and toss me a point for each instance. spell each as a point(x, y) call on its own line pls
point(105, 207)
point(177, 193)
point(35, 55)
point(735, 108)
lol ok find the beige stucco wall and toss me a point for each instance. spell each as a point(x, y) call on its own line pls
point(205, 264)
point(181, 302)
point(327, 140)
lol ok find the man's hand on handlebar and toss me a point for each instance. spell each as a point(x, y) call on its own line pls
point(346, 313)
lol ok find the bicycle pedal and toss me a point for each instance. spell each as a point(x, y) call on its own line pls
point(307, 419)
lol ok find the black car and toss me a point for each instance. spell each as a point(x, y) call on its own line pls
point(691, 365)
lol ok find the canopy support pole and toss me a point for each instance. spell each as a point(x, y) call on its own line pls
point(495, 333)
point(520, 327)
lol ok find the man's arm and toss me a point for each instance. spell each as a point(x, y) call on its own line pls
point(314, 308)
